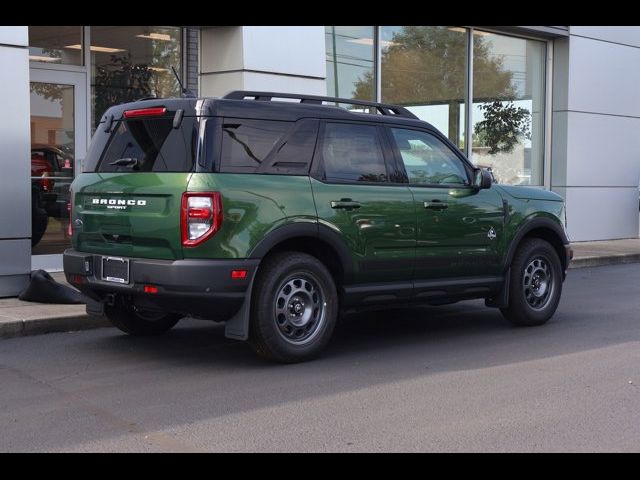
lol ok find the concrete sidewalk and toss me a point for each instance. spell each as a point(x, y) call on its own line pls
point(19, 318)
point(608, 252)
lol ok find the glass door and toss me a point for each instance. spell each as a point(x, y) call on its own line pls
point(58, 142)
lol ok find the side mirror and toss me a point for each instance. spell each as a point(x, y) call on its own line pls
point(482, 179)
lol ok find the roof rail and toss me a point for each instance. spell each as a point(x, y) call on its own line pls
point(383, 108)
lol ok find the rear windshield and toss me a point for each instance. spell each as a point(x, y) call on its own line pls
point(150, 145)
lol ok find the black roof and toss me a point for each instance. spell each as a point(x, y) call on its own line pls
point(264, 107)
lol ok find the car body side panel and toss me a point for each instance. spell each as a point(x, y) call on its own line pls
point(253, 206)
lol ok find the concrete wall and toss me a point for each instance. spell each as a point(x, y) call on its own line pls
point(15, 196)
point(282, 59)
point(596, 124)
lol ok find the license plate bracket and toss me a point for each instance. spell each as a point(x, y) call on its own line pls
point(115, 269)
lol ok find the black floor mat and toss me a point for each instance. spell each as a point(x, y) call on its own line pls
point(44, 289)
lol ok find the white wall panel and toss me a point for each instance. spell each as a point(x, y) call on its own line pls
point(15, 158)
point(629, 35)
point(601, 213)
point(221, 49)
point(221, 83)
point(603, 150)
point(604, 77)
point(14, 35)
point(284, 83)
point(290, 49)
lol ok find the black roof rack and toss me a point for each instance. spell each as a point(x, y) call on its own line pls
point(384, 109)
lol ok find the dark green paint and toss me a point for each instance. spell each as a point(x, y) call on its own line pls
point(391, 237)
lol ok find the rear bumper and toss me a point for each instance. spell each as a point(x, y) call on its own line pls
point(202, 288)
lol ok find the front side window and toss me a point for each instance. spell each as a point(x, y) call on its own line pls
point(352, 153)
point(428, 160)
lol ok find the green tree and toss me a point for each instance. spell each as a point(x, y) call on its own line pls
point(503, 125)
point(425, 65)
point(120, 80)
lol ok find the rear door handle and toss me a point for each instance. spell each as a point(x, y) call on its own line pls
point(345, 203)
point(435, 205)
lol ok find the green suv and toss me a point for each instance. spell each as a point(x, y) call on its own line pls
point(275, 212)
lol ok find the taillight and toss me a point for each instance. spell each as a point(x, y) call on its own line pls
point(145, 112)
point(201, 217)
point(45, 183)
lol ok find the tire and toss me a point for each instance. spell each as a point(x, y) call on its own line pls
point(535, 285)
point(140, 323)
point(294, 308)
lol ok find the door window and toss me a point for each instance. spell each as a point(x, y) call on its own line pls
point(352, 153)
point(428, 160)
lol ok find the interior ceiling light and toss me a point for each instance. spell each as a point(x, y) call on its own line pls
point(456, 29)
point(159, 69)
point(95, 48)
point(156, 36)
point(369, 42)
point(40, 58)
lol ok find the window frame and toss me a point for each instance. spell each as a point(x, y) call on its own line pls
point(466, 165)
point(317, 167)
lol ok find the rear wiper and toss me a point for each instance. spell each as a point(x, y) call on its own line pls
point(125, 162)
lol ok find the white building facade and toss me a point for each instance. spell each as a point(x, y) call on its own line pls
point(553, 107)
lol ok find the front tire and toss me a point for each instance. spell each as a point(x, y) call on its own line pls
point(294, 308)
point(535, 285)
point(140, 323)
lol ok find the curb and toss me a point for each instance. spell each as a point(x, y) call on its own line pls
point(599, 261)
point(39, 326)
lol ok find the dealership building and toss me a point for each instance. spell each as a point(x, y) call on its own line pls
point(552, 107)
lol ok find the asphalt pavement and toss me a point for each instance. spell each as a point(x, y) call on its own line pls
point(450, 378)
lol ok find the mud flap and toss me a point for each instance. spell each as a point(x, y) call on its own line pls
point(237, 327)
point(95, 308)
point(501, 299)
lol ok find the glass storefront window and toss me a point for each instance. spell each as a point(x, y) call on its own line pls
point(52, 164)
point(423, 68)
point(508, 107)
point(61, 45)
point(130, 63)
point(350, 62)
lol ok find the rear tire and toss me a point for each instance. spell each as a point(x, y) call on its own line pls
point(294, 308)
point(535, 285)
point(140, 323)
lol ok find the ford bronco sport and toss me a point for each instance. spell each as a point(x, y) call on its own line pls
point(275, 212)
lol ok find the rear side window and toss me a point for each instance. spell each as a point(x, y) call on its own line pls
point(247, 143)
point(352, 153)
point(154, 144)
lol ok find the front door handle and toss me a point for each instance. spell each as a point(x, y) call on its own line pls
point(345, 203)
point(435, 205)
